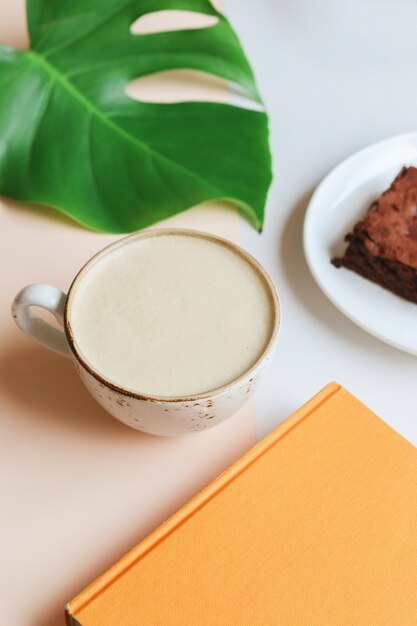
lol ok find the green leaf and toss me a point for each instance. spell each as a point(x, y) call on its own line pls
point(71, 138)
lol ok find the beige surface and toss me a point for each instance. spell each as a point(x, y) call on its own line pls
point(78, 488)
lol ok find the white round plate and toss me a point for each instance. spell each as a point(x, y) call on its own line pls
point(340, 200)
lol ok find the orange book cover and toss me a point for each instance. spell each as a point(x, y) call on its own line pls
point(317, 525)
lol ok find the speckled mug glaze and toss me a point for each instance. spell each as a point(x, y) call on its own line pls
point(157, 415)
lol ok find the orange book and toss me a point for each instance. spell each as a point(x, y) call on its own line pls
point(316, 525)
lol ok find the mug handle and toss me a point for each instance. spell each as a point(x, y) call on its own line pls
point(49, 298)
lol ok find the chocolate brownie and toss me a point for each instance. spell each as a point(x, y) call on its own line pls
point(383, 246)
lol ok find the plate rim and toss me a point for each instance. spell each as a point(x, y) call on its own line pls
point(307, 229)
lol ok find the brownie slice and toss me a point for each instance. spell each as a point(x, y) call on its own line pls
point(383, 246)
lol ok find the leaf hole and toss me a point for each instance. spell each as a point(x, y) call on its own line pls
point(164, 21)
point(183, 85)
point(178, 86)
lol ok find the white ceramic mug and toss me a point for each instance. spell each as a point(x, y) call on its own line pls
point(155, 415)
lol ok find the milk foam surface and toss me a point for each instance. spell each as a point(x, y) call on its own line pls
point(171, 315)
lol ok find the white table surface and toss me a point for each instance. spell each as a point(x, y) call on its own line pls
point(335, 76)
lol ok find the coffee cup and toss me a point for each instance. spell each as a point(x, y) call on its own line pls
point(169, 330)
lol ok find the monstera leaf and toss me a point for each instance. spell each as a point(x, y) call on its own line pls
point(71, 138)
